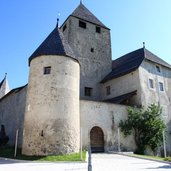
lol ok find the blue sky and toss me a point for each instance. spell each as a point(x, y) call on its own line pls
point(25, 24)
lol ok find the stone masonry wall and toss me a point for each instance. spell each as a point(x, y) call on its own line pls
point(52, 120)
point(94, 65)
point(154, 95)
point(106, 116)
point(12, 109)
point(122, 85)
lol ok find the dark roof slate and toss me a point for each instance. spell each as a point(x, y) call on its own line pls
point(83, 13)
point(54, 44)
point(130, 62)
point(125, 65)
point(120, 99)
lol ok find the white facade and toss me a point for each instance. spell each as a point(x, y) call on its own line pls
point(107, 117)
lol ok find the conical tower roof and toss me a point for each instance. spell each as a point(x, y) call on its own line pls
point(54, 44)
point(83, 13)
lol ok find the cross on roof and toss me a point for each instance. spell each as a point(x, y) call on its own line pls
point(143, 44)
point(58, 20)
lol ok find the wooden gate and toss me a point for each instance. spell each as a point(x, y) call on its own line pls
point(97, 139)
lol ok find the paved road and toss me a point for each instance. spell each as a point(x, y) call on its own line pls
point(100, 162)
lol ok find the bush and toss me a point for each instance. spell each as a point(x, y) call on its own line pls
point(167, 159)
point(147, 127)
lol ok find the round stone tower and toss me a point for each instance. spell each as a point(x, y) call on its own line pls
point(52, 119)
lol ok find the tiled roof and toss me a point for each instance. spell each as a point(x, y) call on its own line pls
point(83, 13)
point(130, 62)
point(54, 44)
point(120, 99)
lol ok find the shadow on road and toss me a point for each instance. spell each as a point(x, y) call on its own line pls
point(162, 167)
point(10, 161)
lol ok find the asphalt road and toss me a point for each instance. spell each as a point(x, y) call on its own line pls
point(100, 162)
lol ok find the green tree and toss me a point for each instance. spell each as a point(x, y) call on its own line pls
point(146, 126)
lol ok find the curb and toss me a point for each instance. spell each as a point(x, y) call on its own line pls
point(15, 160)
point(38, 161)
point(139, 157)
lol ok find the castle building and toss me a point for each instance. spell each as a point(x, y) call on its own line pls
point(77, 95)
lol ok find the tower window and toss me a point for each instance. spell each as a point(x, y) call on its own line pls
point(161, 86)
point(158, 68)
point(92, 50)
point(82, 24)
point(42, 133)
point(47, 70)
point(108, 90)
point(64, 28)
point(98, 29)
point(151, 83)
point(88, 91)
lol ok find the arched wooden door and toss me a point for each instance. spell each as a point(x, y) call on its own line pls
point(97, 139)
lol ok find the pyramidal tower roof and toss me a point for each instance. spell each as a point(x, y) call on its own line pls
point(83, 13)
point(4, 87)
point(54, 44)
point(1, 83)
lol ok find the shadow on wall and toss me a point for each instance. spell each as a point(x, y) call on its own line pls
point(3, 137)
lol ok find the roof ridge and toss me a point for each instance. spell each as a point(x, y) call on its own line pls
point(154, 58)
point(126, 55)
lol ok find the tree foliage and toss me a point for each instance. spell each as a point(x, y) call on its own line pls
point(146, 125)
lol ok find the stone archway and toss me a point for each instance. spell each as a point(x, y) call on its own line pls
point(97, 139)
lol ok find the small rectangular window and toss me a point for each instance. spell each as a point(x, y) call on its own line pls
point(151, 83)
point(82, 24)
point(161, 86)
point(47, 70)
point(92, 50)
point(88, 91)
point(158, 68)
point(64, 28)
point(164, 111)
point(108, 90)
point(98, 29)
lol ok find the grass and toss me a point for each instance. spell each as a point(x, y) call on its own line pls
point(9, 153)
point(71, 157)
